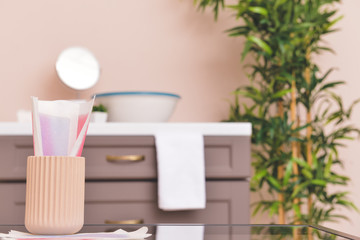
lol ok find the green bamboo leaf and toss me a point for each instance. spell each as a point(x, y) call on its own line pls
point(278, 3)
point(259, 10)
point(239, 8)
point(238, 31)
point(315, 160)
point(332, 23)
point(347, 204)
point(288, 172)
point(288, 13)
point(303, 26)
point(327, 73)
point(257, 208)
point(318, 182)
point(246, 50)
point(339, 216)
point(274, 182)
point(262, 44)
point(297, 210)
point(326, 49)
point(234, 7)
point(281, 93)
point(328, 166)
point(259, 175)
point(299, 188)
point(352, 106)
point(216, 4)
point(301, 162)
point(331, 85)
point(273, 208)
point(307, 173)
point(250, 110)
point(298, 129)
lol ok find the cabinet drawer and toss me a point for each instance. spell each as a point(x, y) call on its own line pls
point(97, 149)
point(225, 157)
point(227, 202)
point(12, 203)
point(14, 153)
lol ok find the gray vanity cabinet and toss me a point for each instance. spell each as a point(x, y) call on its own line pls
point(121, 180)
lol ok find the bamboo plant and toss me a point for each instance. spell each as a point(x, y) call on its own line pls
point(299, 123)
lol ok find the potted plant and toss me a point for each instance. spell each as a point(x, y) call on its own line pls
point(299, 123)
point(99, 113)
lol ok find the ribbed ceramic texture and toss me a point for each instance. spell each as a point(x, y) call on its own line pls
point(54, 194)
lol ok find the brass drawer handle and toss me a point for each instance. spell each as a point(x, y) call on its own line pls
point(125, 158)
point(133, 221)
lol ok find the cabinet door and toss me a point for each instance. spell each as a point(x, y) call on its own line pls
point(227, 202)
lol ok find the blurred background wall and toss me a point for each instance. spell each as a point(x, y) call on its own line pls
point(157, 45)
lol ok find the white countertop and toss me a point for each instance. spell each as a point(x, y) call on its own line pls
point(141, 129)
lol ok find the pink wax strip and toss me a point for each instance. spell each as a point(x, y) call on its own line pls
point(81, 123)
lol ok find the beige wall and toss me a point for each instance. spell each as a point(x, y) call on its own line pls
point(346, 60)
point(157, 45)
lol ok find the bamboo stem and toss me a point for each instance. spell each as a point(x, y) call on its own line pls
point(280, 175)
point(309, 153)
point(294, 145)
point(294, 120)
point(294, 150)
point(308, 139)
point(281, 198)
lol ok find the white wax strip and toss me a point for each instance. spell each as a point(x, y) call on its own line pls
point(38, 151)
point(120, 234)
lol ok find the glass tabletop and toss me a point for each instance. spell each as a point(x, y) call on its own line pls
point(217, 231)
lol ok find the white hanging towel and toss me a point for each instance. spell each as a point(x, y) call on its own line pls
point(181, 171)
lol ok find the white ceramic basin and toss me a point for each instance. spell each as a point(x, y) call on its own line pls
point(138, 106)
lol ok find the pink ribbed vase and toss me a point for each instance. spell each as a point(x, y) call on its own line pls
point(54, 194)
